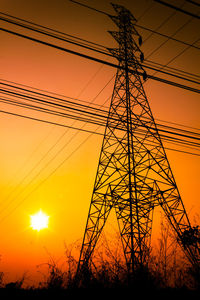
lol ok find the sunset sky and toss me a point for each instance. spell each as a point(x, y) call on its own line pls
point(51, 168)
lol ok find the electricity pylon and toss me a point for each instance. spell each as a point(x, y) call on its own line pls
point(133, 175)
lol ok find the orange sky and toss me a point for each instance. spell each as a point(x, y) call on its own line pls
point(65, 196)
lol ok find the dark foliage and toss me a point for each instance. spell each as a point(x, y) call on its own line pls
point(167, 272)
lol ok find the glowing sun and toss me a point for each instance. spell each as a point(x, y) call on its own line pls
point(39, 221)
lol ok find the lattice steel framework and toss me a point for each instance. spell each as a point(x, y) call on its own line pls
point(133, 175)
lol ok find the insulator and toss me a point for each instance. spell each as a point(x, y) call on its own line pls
point(144, 75)
point(141, 57)
point(140, 40)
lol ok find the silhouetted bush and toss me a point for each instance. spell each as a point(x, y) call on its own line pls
point(167, 269)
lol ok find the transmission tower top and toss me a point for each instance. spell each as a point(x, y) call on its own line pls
point(128, 49)
point(121, 10)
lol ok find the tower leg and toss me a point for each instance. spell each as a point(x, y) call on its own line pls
point(135, 230)
point(99, 210)
point(187, 236)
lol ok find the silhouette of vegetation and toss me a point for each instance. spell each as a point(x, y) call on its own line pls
point(167, 270)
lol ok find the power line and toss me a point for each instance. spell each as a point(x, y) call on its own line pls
point(186, 152)
point(52, 30)
point(193, 2)
point(84, 41)
point(163, 43)
point(178, 72)
point(167, 36)
point(46, 93)
point(48, 122)
point(177, 8)
point(165, 72)
point(53, 35)
point(163, 23)
point(180, 53)
point(89, 82)
point(63, 161)
point(140, 131)
point(66, 144)
point(181, 151)
point(105, 52)
point(60, 103)
point(46, 178)
point(37, 90)
point(87, 6)
point(180, 8)
point(78, 147)
point(102, 122)
point(80, 108)
point(178, 124)
point(145, 11)
point(102, 61)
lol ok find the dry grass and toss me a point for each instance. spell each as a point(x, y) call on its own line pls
point(168, 270)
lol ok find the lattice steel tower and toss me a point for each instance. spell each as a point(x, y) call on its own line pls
point(133, 175)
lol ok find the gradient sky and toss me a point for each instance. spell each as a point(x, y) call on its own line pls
point(66, 195)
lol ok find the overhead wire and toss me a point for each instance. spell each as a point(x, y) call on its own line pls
point(30, 88)
point(45, 28)
point(46, 121)
point(63, 161)
point(165, 137)
point(163, 43)
point(85, 130)
point(105, 51)
point(52, 128)
point(177, 8)
point(53, 172)
point(55, 94)
point(95, 116)
point(166, 36)
point(180, 53)
point(52, 34)
point(73, 38)
point(161, 24)
point(175, 57)
point(74, 99)
point(193, 2)
point(92, 8)
point(46, 178)
point(46, 99)
point(66, 144)
point(189, 75)
point(146, 10)
point(166, 20)
point(171, 149)
point(92, 120)
point(189, 88)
